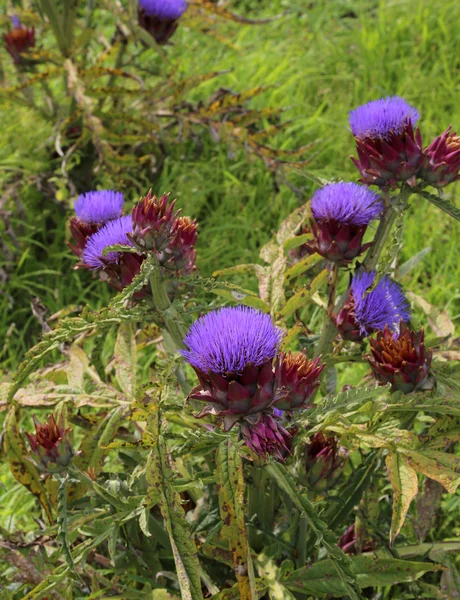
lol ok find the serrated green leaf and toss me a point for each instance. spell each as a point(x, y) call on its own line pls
point(321, 579)
point(234, 293)
point(443, 204)
point(404, 480)
point(303, 296)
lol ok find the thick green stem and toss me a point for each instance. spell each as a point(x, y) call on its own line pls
point(302, 542)
point(261, 506)
point(163, 305)
point(328, 329)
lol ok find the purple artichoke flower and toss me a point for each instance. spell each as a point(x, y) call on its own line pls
point(159, 17)
point(441, 164)
point(341, 213)
point(231, 351)
point(113, 232)
point(50, 445)
point(93, 210)
point(98, 207)
point(367, 311)
point(19, 40)
point(402, 361)
point(388, 149)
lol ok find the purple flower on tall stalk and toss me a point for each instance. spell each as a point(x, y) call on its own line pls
point(367, 310)
point(159, 17)
point(112, 233)
point(98, 207)
point(341, 213)
point(231, 351)
point(389, 151)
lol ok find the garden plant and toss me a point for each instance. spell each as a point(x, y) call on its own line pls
point(281, 428)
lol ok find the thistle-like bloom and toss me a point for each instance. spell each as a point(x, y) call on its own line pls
point(367, 310)
point(93, 210)
point(159, 17)
point(112, 233)
point(50, 445)
point(98, 207)
point(441, 164)
point(321, 462)
point(402, 361)
point(341, 213)
point(231, 350)
point(388, 149)
point(297, 378)
point(19, 40)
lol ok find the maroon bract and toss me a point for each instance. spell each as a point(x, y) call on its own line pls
point(402, 361)
point(266, 437)
point(180, 254)
point(153, 223)
point(19, 40)
point(233, 396)
point(50, 445)
point(441, 164)
point(297, 378)
point(80, 232)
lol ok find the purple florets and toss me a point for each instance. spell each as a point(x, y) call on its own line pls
point(229, 339)
point(384, 305)
point(166, 10)
point(346, 203)
point(382, 118)
point(96, 208)
point(16, 21)
point(113, 232)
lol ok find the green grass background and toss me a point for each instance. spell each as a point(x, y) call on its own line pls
point(320, 60)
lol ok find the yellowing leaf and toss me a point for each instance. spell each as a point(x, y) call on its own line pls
point(440, 466)
point(229, 477)
point(125, 360)
point(405, 485)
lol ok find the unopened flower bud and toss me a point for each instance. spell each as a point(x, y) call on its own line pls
point(401, 360)
point(50, 445)
point(441, 164)
point(297, 377)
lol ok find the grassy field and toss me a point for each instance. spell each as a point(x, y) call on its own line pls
point(318, 61)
